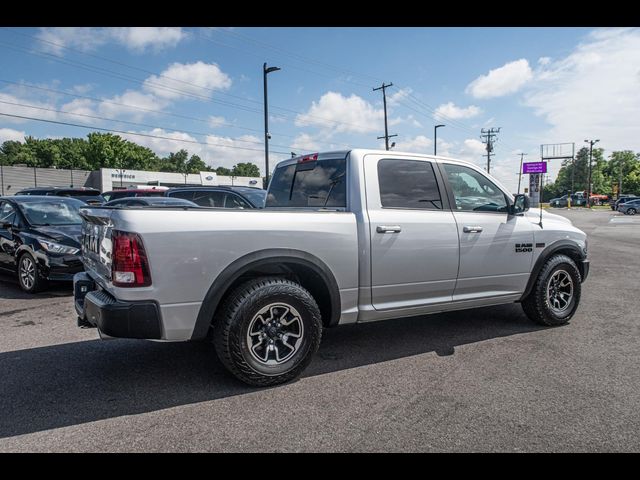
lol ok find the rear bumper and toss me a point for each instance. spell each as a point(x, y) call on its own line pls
point(112, 317)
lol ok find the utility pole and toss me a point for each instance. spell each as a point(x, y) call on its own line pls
point(520, 172)
point(266, 71)
point(620, 179)
point(384, 101)
point(487, 137)
point(591, 144)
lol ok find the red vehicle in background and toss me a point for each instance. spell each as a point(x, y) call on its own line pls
point(151, 191)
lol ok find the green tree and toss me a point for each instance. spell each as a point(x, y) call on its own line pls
point(245, 170)
point(224, 171)
point(196, 165)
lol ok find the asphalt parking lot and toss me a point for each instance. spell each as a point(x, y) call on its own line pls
point(480, 380)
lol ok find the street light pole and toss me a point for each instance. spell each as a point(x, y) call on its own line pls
point(520, 172)
point(435, 139)
point(266, 71)
point(591, 144)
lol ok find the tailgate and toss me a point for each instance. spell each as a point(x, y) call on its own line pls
point(96, 242)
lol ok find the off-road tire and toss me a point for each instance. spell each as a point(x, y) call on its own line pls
point(233, 319)
point(536, 305)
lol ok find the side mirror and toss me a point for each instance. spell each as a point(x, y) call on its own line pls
point(520, 204)
point(5, 225)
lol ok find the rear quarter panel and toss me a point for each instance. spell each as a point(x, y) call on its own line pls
point(187, 250)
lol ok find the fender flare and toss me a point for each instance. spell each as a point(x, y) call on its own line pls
point(255, 260)
point(545, 255)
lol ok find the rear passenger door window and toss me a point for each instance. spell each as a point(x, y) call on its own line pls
point(209, 199)
point(234, 201)
point(408, 184)
point(186, 195)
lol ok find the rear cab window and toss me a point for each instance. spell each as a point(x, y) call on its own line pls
point(309, 183)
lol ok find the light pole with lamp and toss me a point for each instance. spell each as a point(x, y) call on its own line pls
point(266, 70)
point(435, 139)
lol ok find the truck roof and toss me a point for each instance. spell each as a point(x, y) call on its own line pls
point(364, 151)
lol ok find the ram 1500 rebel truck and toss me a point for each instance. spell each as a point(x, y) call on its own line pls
point(346, 237)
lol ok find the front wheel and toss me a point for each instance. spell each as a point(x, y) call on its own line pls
point(267, 331)
point(556, 293)
point(631, 211)
point(29, 274)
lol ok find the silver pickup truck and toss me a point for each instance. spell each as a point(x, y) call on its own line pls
point(345, 237)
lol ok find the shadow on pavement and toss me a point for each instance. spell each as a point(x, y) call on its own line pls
point(75, 383)
point(10, 290)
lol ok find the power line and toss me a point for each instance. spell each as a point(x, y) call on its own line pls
point(160, 112)
point(109, 73)
point(111, 130)
point(137, 124)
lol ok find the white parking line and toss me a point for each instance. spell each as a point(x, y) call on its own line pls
point(625, 219)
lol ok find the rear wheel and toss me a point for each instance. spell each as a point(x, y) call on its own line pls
point(556, 293)
point(267, 331)
point(29, 274)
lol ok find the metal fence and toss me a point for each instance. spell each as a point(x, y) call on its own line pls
point(14, 179)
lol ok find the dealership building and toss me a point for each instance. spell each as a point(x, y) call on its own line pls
point(16, 178)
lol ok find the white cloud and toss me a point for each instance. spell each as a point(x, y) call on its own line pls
point(544, 60)
point(11, 107)
point(141, 38)
point(137, 39)
point(355, 114)
point(473, 147)
point(164, 146)
point(398, 96)
point(418, 144)
point(80, 106)
point(194, 78)
point(305, 142)
point(215, 121)
point(594, 92)
point(215, 150)
point(130, 103)
point(501, 81)
point(11, 134)
point(451, 111)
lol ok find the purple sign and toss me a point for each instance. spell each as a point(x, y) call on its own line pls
point(534, 167)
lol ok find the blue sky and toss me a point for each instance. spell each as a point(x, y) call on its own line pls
point(201, 89)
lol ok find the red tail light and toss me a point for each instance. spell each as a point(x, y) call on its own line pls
point(309, 158)
point(129, 265)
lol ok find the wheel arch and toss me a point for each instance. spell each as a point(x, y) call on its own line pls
point(565, 247)
point(308, 270)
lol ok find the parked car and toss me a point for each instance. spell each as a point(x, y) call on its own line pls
point(621, 201)
point(151, 191)
point(221, 196)
point(150, 202)
point(40, 239)
point(91, 196)
point(345, 237)
point(630, 207)
point(562, 202)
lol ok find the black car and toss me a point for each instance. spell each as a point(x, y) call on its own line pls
point(150, 202)
point(221, 196)
point(40, 239)
point(90, 196)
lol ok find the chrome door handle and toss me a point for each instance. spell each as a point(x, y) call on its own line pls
point(470, 229)
point(388, 229)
